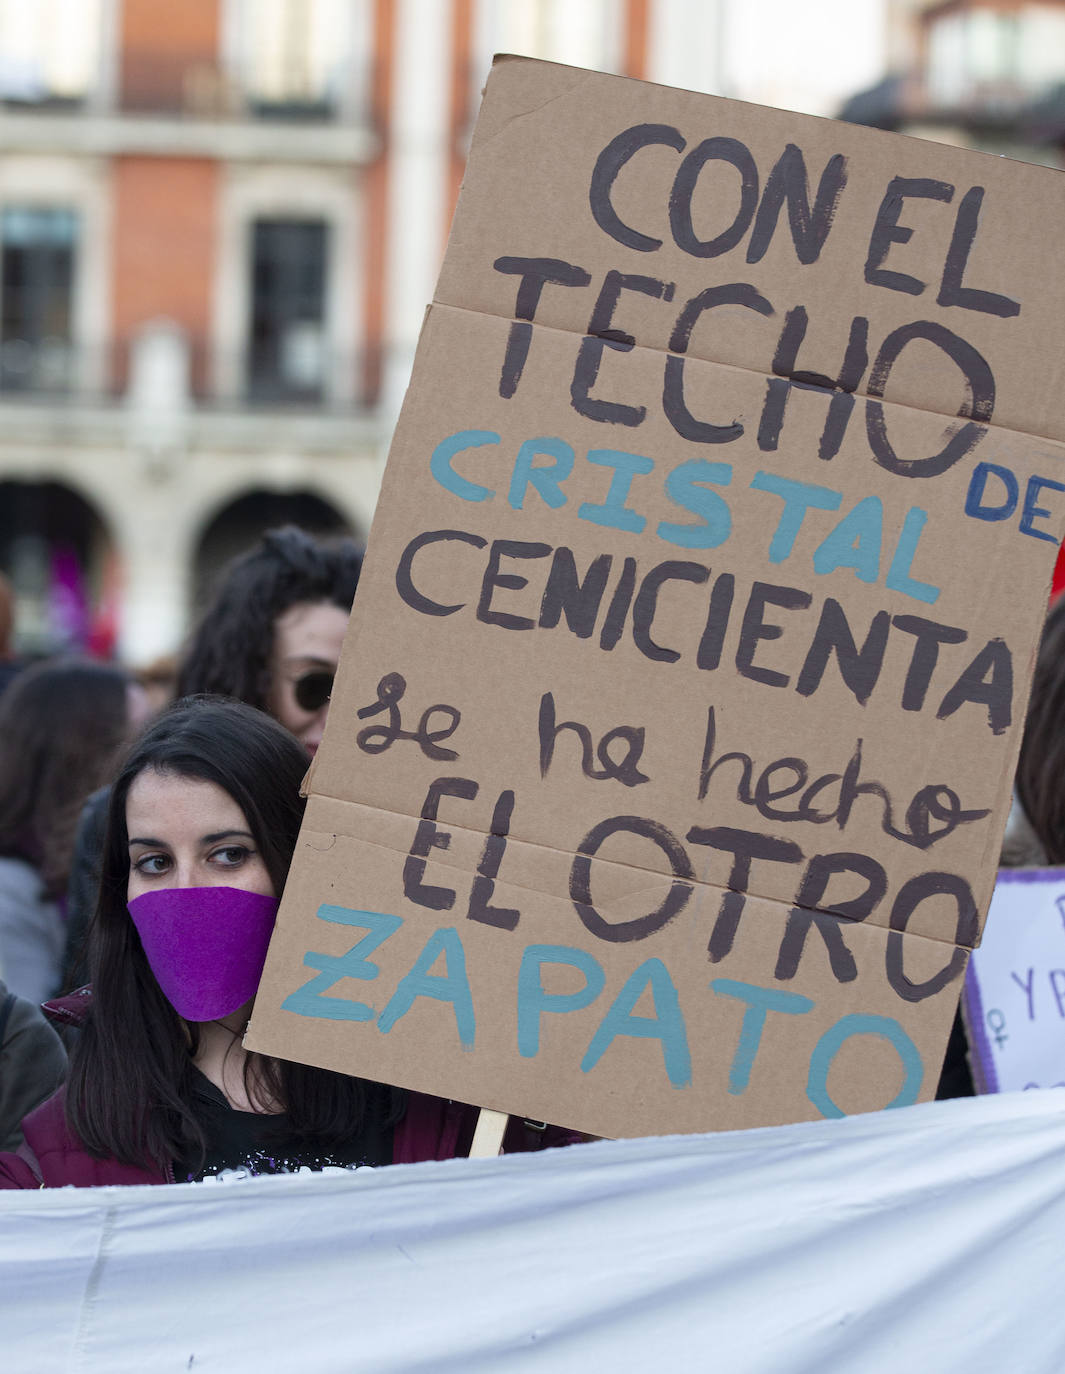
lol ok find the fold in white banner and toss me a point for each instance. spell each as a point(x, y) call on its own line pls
point(927, 1239)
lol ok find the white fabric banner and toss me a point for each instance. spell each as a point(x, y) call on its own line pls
point(927, 1239)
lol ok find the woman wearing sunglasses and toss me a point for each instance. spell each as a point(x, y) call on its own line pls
point(272, 635)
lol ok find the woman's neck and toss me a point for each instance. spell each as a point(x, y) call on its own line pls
point(224, 1061)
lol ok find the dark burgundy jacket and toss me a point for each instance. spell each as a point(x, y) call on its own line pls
point(51, 1157)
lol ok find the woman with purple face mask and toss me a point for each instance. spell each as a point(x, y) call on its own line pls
point(203, 820)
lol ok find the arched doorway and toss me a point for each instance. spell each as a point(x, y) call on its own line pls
point(59, 556)
point(239, 525)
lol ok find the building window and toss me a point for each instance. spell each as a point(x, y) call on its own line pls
point(37, 252)
point(296, 56)
point(287, 352)
point(49, 50)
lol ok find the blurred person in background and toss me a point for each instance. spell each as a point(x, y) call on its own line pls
point(33, 1063)
point(1035, 835)
point(10, 667)
point(61, 726)
point(158, 679)
point(271, 637)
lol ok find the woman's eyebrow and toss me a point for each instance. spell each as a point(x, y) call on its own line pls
point(217, 835)
point(138, 839)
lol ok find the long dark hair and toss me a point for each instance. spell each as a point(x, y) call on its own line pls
point(1040, 778)
point(61, 725)
point(229, 652)
point(130, 1085)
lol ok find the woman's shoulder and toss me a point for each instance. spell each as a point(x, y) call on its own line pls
point(54, 1158)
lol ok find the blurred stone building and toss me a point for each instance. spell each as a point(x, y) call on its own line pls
point(987, 74)
point(220, 222)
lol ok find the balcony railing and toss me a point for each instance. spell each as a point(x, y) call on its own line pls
point(61, 372)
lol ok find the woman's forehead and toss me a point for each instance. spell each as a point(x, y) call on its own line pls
point(172, 801)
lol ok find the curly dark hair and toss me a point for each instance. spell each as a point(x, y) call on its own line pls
point(229, 652)
point(1040, 778)
point(62, 725)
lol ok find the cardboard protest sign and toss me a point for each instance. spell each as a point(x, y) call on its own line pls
point(673, 737)
point(1014, 997)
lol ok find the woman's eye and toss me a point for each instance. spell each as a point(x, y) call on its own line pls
point(152, 864)
point(230, 855)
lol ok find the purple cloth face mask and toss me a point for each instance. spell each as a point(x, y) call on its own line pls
point(206, 945)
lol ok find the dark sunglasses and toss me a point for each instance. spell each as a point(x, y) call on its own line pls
point(312, 690)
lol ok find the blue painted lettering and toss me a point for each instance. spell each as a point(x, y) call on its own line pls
point(308, 1000)
point(452, 986)
point(974, 497)
point(613, 512)
point(667, 1026)
point(1033, 512)
point(898, 578)
point(445, 474)
point(760, 1002)
point(798, 498)
point(686, 485)
point(855, 542)
point(546, 478)
point(834, 1039)
point(533, 1001)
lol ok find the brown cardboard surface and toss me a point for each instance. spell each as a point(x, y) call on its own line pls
point(642, 851)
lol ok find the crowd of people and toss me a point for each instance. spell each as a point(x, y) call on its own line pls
point(144, 847)
point(142, 858)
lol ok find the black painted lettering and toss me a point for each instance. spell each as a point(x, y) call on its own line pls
point(977, 406)
point(480, 907)
point(646, 604)
point(987, 681)
point(602, 335)
point(887, 230)
point(788, 375)
point(859, 668)
point(607, 167)
point(765, 793)
point(754, 629)
point(674, 403)
point(580, 887)
point(951, 291)
point(744, 846)
point(788, 183)
point(614, 621)
point(535, 273)
point(735, 154)
point(623, 770)
point(910, 896)
point(708, 769)
point(578, 599)
point(717, 617)
point(928, 636)
point(506, 548)
point(428, 837)
point(811, 911)
point(404, 581)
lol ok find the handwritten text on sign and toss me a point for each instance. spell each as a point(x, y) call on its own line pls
point(674, 730)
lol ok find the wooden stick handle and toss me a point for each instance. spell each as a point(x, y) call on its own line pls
point(488, 1135)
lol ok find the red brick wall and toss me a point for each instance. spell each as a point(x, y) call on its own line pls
point(164, 246)
point(164, 44)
